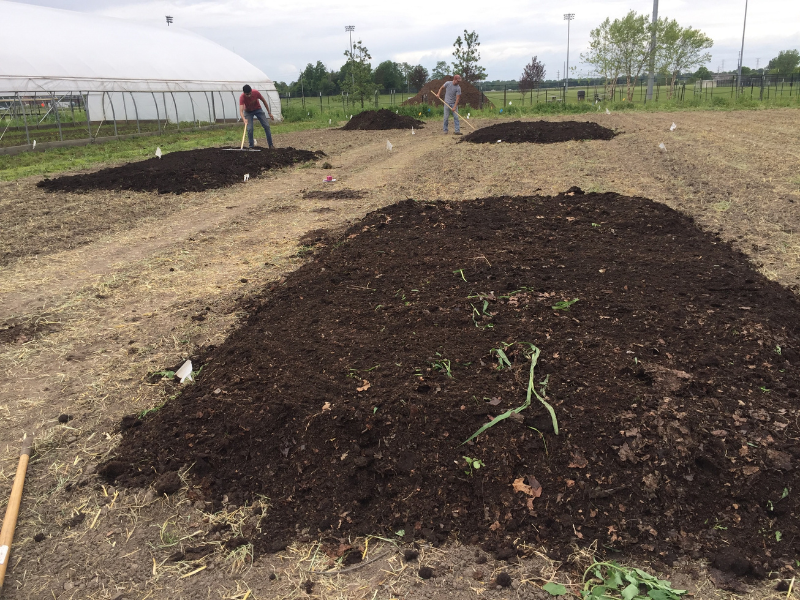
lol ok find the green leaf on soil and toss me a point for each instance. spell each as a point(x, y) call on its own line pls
point(554, 589)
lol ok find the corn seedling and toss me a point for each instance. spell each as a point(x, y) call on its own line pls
point(442, 365)
point(534, 356)
point(564, 304)
point(150, 411)
point(626, 583)
point(460, 272)
point(473, 463)
point(502, 359)
point(476, 314)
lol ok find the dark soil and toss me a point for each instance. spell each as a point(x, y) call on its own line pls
point(345, 194)
point(185, 171)
point(674, 379)
point(470, 95)
point(381, 119)
point(539, 132)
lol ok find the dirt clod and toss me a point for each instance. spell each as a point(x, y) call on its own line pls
point(39, 537)
point(503, 579)
point(381, 119)
point(470, 95)
point(168, 483)
point(539, 132)
point(183, 171)
point(410, 554)
point(64, 418)
point(308, 586)
point(425, 572)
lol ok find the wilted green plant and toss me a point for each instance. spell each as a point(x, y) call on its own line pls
point(534, 356)
point(564, 304)
point(613, 577)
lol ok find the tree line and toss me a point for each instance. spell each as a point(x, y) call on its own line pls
point(619, 54)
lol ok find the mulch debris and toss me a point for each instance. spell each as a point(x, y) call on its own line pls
point(380, 120)
point(539, 132)
point(347, 396)
point(183, 171)
point(470, 95)
point(343, 194)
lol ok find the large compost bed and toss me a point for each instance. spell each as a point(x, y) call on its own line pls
point(348, 395)
point(184, 171)
point(539, 132)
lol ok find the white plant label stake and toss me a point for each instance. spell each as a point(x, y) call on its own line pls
point(662, 147)
point(246, 176)
point(673, 127)
point(34, 144)
point(388, 145)
point(185, 372)
point(158, 151)
point(608, 112)
point(412, 131)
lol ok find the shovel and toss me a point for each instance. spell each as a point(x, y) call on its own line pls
point(241, 147)
point(12, 510)
point(454, 111)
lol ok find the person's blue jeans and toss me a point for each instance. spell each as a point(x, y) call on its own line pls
point(262, 118)
point(447, 111)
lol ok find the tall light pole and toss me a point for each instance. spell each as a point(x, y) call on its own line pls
point(652, 75)
point(567, 17)
point(351, 29)
point(741, 53)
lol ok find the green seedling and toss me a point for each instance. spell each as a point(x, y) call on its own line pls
point(502, 359)
point(778, 536)
point(476, 312)
point(460, 272)
point(442, 365)
point(473, 463)
point(777, 349)
point(564, 304)
point(765, 389)
point(534, 356)
point(626, 583)
point(595, 224)
point(150, 411)
point(165, 374)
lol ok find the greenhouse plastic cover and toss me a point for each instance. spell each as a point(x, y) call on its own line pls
point(52, 50)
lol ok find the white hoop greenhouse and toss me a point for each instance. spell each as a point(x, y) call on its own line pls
point(117, 71)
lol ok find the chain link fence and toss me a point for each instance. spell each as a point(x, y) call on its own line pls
point(74, 118)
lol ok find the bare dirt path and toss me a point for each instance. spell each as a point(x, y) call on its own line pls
point(154, 278)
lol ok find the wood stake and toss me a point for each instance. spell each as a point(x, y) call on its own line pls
point(12, 511)
point(244, 133)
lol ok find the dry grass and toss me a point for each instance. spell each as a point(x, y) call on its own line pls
point(142, 293)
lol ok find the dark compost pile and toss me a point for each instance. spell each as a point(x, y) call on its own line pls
point(347, 396)
point(470, 95)
point(539, 132)
point(184, 171)
point(381, 119)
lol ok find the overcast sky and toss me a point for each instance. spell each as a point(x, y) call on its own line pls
point(282, 36)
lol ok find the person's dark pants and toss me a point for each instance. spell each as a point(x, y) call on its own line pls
point(262, 118)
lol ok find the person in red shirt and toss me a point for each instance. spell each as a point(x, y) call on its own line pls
point(249, 108)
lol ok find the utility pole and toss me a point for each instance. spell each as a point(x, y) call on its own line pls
point(567, 17)
point(169, 20)
point(351, 28)
point(741, 53)
point(652, 75)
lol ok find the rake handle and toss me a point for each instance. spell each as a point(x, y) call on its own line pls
point(12, 511)
point(244, 133)
point(454, 111)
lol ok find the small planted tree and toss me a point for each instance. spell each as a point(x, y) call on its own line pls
point(467, 58)
point(357, 82)
point(531, 78)
point(681, 49)
point(603, 56)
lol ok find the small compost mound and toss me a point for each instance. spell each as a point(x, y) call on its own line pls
point(381, 119)
point(184, 171)
point(470, 95)
point(345, 194)
point(539, 132)
point(346, 397)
